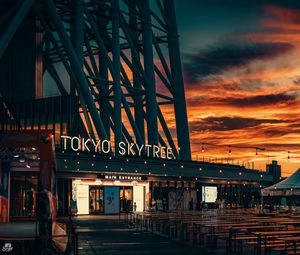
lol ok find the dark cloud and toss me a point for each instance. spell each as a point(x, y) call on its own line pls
point(261, 100)
point(276, 132)
point(218, 59)
point(251, 101)
point(228, 123)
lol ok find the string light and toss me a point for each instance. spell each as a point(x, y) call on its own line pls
point(288, 155)
point(202, 148)
point(229, 150)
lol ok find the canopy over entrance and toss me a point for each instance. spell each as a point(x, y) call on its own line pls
point(287, 187)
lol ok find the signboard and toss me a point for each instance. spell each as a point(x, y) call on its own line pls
point(122, 177)
point(209, 194)
point(4, 192)
point(82, 198)
point(111, 200)
point(76, 143)
point(138, 198)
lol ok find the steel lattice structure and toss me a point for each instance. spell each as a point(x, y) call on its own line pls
point(122, 60)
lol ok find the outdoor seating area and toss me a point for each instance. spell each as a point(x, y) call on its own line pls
point(226, 231)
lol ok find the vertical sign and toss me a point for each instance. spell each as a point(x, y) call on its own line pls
point(111, 200)
point(4, 191)
point(138, 197)
point(209, 194)
point(82, 197)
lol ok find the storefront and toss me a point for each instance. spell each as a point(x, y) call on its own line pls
point(111, 194)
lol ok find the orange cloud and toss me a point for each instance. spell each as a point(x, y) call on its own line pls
point(252, 101)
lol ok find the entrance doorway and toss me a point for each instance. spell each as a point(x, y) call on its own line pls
point(23, 194)
point(96, 200)
point(126, 198)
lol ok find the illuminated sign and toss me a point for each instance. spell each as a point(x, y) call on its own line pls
point(76, 143)
point(209, 194)
point(122, 177)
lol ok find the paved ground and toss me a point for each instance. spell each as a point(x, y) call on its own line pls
point(16, 229)
point(104, 235)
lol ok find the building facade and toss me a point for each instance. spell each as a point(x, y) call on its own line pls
point(101, 77)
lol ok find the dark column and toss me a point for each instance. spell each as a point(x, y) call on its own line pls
point(176, 71)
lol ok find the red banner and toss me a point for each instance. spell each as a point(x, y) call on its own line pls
point(4, 210)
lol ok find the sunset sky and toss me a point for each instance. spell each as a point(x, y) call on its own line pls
point(241, 65)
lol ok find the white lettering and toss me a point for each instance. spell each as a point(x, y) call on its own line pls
point(170, 154)
point(163, 152)
point(78, 143)
point(108, 146)
point(130, 149)
point(122, 150)
point(65, 137)
point(147, 146)
point(155, 151)
point(84, 144)
point(140, 149)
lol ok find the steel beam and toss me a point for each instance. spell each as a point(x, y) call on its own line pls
point(103, 51)
point(77, 35)
point(151, 104)
point(115, 14)
point(14, 25)
point(176, 71)
point(138, 99)
point(83, 86)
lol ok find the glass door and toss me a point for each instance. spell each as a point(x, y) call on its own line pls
point(23, 195)
point(126, 198)
point(96, 200)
